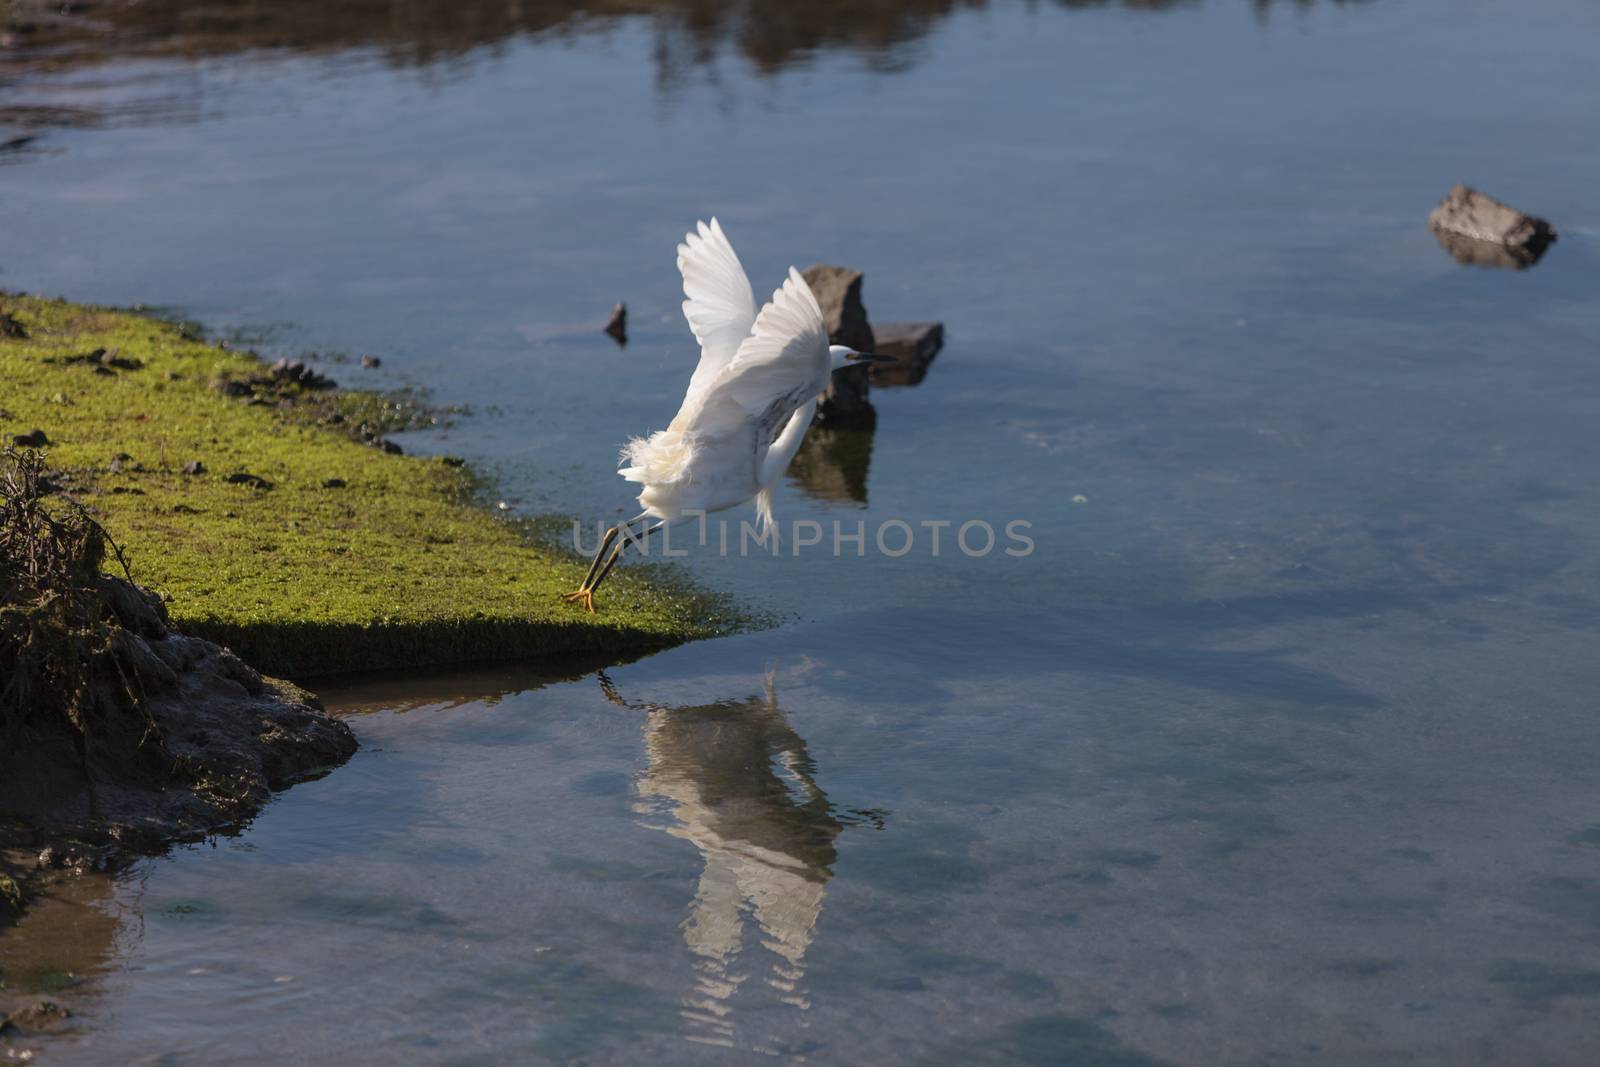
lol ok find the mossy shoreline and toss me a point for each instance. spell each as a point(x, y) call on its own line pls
point(305, 550)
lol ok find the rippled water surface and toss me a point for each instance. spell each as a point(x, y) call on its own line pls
point(1279, 748)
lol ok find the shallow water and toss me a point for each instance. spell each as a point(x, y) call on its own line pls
point(1279, 748)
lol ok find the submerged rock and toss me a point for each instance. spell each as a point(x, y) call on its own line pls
point(838, 292)
point(1476, 228)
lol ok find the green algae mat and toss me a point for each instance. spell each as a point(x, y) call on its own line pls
point(269, 527)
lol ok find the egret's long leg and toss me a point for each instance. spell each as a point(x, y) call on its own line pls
point(599, 555)
point(581, 595)
point(617, 554)
point(584, 594)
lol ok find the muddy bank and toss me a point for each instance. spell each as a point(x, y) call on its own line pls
point(118, 734)
point(171, 738)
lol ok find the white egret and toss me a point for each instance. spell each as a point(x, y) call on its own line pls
point(747, 408)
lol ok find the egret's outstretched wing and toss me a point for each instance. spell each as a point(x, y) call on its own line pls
point(784, 361)
point(720, 307)
point(780, 368)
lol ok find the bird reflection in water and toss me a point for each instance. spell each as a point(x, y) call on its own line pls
point(743, 791)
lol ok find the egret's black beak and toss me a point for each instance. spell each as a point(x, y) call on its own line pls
point(867, 357)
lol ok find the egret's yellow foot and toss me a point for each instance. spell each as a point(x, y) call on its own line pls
point(580, 596)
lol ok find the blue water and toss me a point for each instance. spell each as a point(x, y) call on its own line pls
point(1278, 748)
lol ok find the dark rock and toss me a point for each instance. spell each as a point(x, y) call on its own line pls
point(452, 461)
point(299, 373)
point(112, 359)
point(231, 386)
point(838, 292)
point(102, 361)
point(617, 324)
point(912, 346)
point(238, 671)
point(34, 439)
point(12, 329)
point(39, 1016)
point(1478, 217)
point(194, 466)
point(390, 447)
point(333, 483)
point(123, 462)
point(254, 481)
point(371, 362)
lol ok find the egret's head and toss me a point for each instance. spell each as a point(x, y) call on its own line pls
point(844, 356)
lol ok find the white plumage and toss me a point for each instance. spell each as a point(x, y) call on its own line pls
point(751, 397)
point(747, 407)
